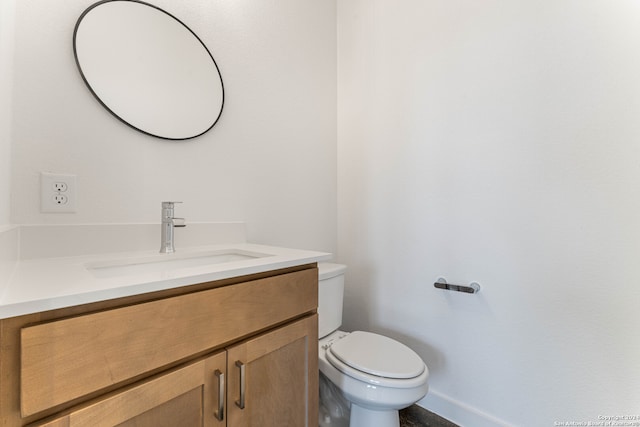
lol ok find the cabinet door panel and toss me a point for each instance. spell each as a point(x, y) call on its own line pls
point(281, 377)
point(184, 410)
point(183, 397)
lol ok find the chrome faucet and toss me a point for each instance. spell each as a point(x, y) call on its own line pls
point(168, 224)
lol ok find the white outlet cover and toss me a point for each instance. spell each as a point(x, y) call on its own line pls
point(49, 203)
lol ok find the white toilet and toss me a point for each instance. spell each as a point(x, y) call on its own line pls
point(376, 374)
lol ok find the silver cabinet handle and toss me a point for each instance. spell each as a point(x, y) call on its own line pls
point(219, 414)
point(240, 402)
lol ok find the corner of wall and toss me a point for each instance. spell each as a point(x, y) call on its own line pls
point(9, 254)
point(7, 15)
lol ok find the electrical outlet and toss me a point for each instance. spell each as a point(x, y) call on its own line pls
point(60, 186)
point(60, 199)
point(57, 192)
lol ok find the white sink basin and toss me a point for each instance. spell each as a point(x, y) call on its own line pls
point(165, 263)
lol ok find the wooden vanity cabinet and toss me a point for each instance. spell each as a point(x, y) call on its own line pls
point(237, 352)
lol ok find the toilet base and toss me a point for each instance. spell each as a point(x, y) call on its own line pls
point(364, 417)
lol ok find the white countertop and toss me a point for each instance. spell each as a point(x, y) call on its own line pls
point(49, 283)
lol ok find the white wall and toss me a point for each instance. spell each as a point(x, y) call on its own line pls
point(7, 10)
point(270, 160)
point(497, 142)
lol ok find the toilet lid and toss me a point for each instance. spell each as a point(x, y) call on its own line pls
point(377, 355)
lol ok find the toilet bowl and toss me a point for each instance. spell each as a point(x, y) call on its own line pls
point(376, 374)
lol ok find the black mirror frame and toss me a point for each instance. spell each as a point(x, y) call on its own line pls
point(75, 55)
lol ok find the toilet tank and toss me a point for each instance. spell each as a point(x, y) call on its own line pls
point(330, 295)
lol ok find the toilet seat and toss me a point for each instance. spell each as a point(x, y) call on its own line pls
point(376, 359)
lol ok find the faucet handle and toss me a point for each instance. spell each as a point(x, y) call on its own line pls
point(179, 222)
point(169, 204)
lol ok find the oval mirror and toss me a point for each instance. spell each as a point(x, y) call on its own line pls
point(148, 69)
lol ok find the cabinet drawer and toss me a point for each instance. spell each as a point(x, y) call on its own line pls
point(68, 359)
point(182, 397)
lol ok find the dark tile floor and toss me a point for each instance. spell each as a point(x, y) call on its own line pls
point(415, 416)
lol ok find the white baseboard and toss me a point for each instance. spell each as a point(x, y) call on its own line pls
point(458, 412)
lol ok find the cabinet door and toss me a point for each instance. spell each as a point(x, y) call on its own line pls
point(273, 378)
point(187, 396)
